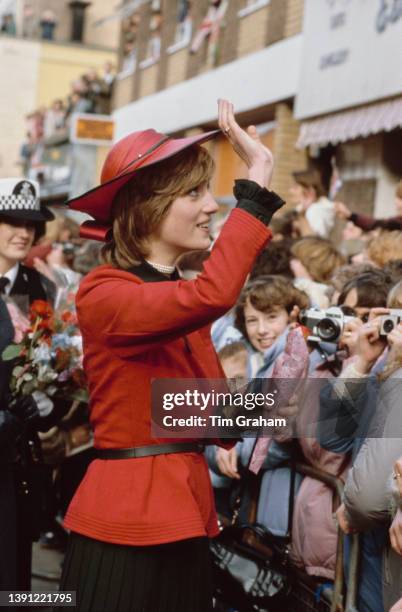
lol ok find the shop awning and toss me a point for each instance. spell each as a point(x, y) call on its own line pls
point(356, 123)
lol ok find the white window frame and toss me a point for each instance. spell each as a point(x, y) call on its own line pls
point(256, 6)
point(127, 71)
point(147, 63)
point(184, 41)
point(151, 59)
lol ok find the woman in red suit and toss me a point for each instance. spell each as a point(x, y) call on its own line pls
point(142, 516)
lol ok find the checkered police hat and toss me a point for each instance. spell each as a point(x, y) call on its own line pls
point(19, 199)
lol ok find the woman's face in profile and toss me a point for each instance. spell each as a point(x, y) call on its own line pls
point(264, 327)
point(186, 226)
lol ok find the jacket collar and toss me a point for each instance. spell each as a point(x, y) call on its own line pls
point(11, 274)
point(149, 274)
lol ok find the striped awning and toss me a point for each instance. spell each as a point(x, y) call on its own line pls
point(347, 125)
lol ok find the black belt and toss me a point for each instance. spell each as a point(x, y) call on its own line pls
point(148, 451)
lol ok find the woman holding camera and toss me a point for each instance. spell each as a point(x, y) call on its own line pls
point(141, 518)
point(368, 494)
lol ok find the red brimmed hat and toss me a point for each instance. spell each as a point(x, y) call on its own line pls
point(138, 150)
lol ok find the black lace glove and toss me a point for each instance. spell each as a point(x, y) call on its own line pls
point(256, 200)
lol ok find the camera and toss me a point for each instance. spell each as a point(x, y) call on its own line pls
point(390, 321)
point(69, 248)
point(326, 325)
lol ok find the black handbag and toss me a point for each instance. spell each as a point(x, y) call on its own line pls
point(249, 562)
point(243, 576)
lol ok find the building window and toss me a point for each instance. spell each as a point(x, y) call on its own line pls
point(251, 6)
point(184, 26)
point(209, 30)
point(130, 30)
point(154, 42)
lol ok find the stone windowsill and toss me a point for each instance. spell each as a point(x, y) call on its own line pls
point(147, 63)
point(248, 10)
point(124, 74)
point(178, 46)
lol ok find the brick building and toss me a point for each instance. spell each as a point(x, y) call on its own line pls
point(178, 57)
point(37, 67)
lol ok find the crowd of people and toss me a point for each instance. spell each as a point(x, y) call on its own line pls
point(34, 25)
point(90, 93)
point(150, 523)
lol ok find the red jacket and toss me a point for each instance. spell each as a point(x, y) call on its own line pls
point(134, 331)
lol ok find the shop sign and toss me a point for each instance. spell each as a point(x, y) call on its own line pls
point(91, 129)
point(352, 54)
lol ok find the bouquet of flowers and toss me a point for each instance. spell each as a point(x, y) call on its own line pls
point(48, 353)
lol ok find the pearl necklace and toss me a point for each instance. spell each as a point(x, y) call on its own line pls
point(161, 267)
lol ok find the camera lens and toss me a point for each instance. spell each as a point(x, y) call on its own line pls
point(388, 326)
point(328, 330)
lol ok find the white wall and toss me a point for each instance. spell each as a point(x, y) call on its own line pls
point(385, 193)
point(19, 62)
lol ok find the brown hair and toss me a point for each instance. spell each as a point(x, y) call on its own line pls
point(310, 179)
point(274, 259)
point(265, 293)
point(318, 256)
point(385, 248)
point(394, 270)
point(55, 227)
point(141, 205)
point(346, 273)
point(232, 349)
point(283, 224)
point(398, 192)
point(371, 289)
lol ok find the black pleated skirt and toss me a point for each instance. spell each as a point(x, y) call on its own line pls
point(173, 577)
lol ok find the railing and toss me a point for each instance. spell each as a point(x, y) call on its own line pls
point(337, 604)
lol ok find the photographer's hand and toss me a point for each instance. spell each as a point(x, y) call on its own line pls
point(397, 607)
point(369, 346)
point(395, 533)
point(247, 145)
point(377, 312)
point(398, 475)
point(350, 335)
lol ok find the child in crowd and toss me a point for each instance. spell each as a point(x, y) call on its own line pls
point(313, 262)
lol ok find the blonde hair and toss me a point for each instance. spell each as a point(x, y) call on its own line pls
point(394, 299)
point(55, 228)
point(141, 205)
point(385, 248)
point(318, 256)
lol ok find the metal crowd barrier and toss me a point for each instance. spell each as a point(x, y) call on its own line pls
point(343, 597)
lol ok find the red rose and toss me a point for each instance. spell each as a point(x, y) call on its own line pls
point(40, 309)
